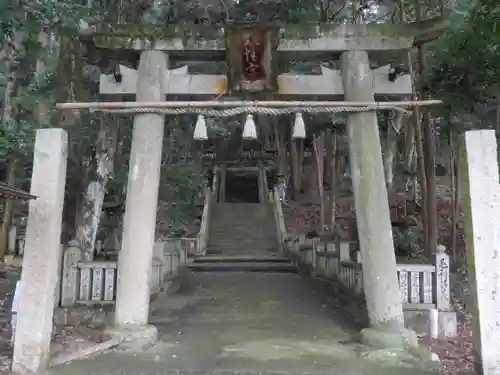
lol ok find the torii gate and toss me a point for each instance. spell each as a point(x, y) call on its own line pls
point(356, 83)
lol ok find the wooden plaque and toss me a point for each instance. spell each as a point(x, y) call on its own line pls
point(250, 51)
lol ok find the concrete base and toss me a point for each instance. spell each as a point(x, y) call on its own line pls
point(379, 339)
point(93, 350)
point(400, 348)
point(418, 320)
point(13, 261)
point(415, 320)
point(135, 338)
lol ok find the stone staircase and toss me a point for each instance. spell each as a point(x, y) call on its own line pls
point(242, 229)
point(242, 237)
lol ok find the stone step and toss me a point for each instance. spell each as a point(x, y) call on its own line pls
point(241, 259)
point(237, 237)
point(244, 250)
point(264, 237)
point(243, 267)
point(229, 238)
point(261, 247)
point(241, 229)
point(237, 225)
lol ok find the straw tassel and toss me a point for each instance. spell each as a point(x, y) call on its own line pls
point(200, 130)
point(299, 127)
point(249, 130)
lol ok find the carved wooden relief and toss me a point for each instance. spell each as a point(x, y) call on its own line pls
point(250, 58)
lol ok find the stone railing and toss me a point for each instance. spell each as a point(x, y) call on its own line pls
point(422, 286)
point(210, 198)
point(187, 244)
point(94, 282)
point(279, 219)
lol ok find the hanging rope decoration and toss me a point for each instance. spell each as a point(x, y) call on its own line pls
point(249, 129)
point(231, 112)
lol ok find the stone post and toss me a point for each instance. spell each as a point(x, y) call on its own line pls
point(442, 278)
point(70, 275)
point(263, 189)
point(481, 202)
point(222, 185)
point(42, 254)
point(371, 202)
point(136, 254)
point(12, 240)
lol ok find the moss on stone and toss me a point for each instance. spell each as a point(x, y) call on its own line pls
point(123, 36)
point(311, 31)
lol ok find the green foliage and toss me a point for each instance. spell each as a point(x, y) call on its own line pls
point(464, 65)
point(405, 242)
point(182, 187)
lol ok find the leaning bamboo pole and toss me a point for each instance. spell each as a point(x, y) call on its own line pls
point(229, 104)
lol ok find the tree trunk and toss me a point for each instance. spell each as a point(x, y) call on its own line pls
point(430, 170)
point(296, 175)
point(300, 147)
point(334, 180)
point(280, 137)
point(393, 129)
point(7, 210)
point(318, 155)
point(71, 89)
point(327, 173)
point(409, 159)
point(93, 198)
point(12, 50)
point(43, 108)
point(456, 199)
point(420, 150)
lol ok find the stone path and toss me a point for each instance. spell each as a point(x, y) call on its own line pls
point(233, 322)
point(242, 323)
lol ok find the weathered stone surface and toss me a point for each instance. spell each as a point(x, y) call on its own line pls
point(404, 338)
point(292, 38)
point(135, 337)
point(481, 202)
point(399, 357)
point(69, 280)
point(381, 287)
point(42, 255)
point(396, 348)
point(136, 254)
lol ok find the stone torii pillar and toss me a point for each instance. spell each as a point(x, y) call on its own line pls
point(381, 287)
point(136, 254)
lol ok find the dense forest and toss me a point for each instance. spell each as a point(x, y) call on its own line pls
point(47, 58)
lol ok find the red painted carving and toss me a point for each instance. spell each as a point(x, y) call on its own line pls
point(253, 48)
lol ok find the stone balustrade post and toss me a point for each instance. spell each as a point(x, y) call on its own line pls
point(69, 280)
point(344, 251)
point(12, 240)
point(442, 278)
